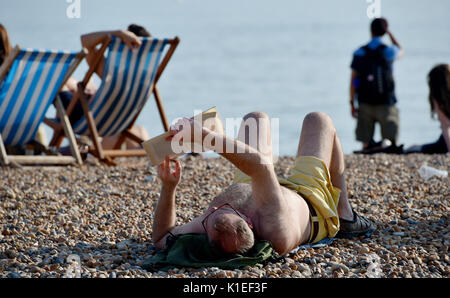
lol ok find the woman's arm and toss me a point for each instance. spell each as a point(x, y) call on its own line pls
point(90, 41)
point(445, 124)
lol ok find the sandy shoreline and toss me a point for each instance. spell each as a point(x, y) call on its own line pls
point(104, 215)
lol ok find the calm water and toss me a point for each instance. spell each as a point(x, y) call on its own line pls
point(287, 58)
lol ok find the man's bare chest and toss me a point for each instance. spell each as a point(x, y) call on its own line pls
point(239, 195)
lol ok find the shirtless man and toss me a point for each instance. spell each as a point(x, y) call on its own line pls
point(308, 206)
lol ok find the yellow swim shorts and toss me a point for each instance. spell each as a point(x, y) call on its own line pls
point(311, 179)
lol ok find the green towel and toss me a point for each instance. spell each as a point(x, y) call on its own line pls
point(194, 250)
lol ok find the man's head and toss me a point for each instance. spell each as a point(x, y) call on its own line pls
point(227, 229)
point(379, 27)
point(139, 30)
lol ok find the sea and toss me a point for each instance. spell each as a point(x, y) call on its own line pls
point(286, 57)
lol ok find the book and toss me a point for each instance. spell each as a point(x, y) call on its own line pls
point(159, 147)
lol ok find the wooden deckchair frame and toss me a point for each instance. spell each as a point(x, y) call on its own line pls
point(97, 149)
point(18, 160)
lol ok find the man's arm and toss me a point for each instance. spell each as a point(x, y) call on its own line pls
point(265, 186)
point(266, 190)
point(397, 44)
point(165, 213)
point(246, 158)
point(164, 218)
point(354, 110)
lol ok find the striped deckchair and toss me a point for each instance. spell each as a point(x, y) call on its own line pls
point(129, 80)
point(29, 82)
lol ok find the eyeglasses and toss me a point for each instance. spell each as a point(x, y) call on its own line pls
point(226, 205)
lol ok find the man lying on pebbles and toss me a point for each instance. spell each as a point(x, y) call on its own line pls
point(308, 206)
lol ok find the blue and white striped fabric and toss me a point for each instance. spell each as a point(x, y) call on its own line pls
point(125, 87)
point(27, 92)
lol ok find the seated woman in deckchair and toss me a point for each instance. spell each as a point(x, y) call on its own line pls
point(90, 41)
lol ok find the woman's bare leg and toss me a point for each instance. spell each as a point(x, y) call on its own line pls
point(70, 85)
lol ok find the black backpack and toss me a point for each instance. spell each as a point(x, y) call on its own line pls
point(376, 82)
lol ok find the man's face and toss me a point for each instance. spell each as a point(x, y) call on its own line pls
point(227, 242)
point(218, 236)
point(225, 210)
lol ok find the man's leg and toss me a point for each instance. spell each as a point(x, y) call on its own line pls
point(365, 126)
point(319, 138)
point(255, 132)
point(388, 116)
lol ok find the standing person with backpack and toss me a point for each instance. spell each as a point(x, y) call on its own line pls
point(372, 86)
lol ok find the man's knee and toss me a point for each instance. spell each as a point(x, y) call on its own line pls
point(255, 121)
point(319, 120)
point(256, 115)
point(255, 131)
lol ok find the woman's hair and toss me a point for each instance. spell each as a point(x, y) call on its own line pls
point(439, 83)
point(139, 30)
point(5, 46)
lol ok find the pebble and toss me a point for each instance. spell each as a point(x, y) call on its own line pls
point(364, 250)
point(303, 267)
point(123, 245)
point(104, 215)
point(11, 254)
point(306, 273)
point(149, 178)
point(336, 266)
point(36, 269)
point(411, 222)
point(13, 275)
point(58, 261)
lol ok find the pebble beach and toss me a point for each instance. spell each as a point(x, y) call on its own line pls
point(103, 216)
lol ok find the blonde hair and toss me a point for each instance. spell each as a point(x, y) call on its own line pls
point(237, 231)
point(5, 45)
